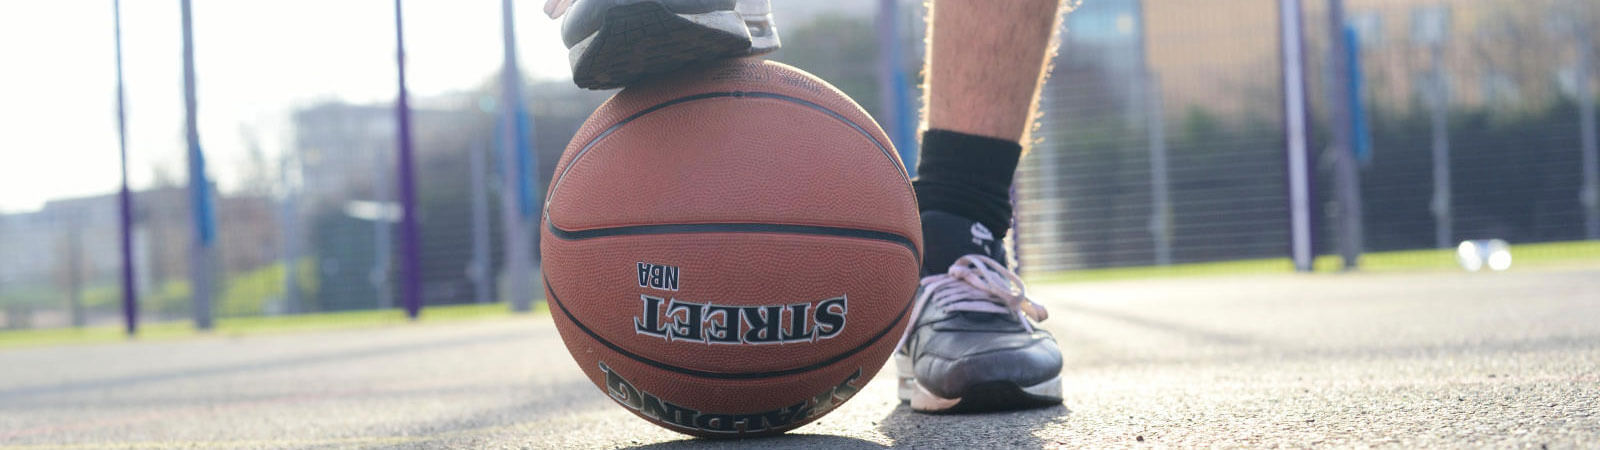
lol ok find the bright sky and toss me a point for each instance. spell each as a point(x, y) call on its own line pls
point(256, 60)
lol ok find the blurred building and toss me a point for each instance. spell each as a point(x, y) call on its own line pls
point(341, 148)
point(1485, 49)
point(346, 161)
point(38, 249)
point(54, 257)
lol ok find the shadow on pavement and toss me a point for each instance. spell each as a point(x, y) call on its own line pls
point(1008, 429)
point(1187, 330)
point(344, 356)
point(779, 441)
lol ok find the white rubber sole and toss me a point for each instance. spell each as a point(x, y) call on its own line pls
point(921, 399)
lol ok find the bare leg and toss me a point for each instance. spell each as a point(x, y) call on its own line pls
point(986, 60)
point(985, 63)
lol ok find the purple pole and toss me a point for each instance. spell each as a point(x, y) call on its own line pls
point(410, 261)
point(130, 297)
point(1296, 132)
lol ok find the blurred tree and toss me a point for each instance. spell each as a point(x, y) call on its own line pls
point(1520, 167)
point(257, 174)
point(162, 213)
point(69, 270)
point(1509, 74)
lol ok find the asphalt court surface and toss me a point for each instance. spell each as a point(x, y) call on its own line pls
point(1401, 360)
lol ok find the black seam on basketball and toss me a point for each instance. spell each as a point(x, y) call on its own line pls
point(723, 375)
point(836, 116)
point(773, 228)
point(709, 95)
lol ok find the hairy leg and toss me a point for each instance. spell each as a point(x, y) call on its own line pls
point(986, 60)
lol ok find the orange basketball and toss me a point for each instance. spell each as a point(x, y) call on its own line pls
point(731, 251)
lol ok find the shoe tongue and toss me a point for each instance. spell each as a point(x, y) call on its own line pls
point(947, 237)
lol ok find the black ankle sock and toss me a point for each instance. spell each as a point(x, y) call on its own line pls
point(947, 237)
point(969, 176)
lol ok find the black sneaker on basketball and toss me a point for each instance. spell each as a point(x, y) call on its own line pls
point(614, 43)
point(971, 345)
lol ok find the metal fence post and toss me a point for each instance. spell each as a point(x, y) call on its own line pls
point(410, 251)
point(515, 173)
point(1347, 176)
point(1292, 42)
point(202, 257)
point(1431, 25)
point(130, 292)
point(1591, 161)
point(1160, 190)
point(894, 97)
point(482, 290)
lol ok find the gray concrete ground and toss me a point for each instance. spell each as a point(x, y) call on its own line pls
point(1443, 359)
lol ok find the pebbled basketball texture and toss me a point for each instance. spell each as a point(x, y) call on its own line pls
point(730, 251)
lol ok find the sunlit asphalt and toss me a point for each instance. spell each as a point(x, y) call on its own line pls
point(1404, 360)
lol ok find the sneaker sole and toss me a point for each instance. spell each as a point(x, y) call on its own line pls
point(983, 397)
point(645, 39)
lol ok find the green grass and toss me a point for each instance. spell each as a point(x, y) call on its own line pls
point(1552, 254)
point(1558, 254)
point(247, 326)
point(246, 294)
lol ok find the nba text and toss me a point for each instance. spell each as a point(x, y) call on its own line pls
point(657, 276)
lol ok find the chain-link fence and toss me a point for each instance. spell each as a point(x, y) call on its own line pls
point(301, 164)
point(1161, 142)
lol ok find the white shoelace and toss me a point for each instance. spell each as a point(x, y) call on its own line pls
point(976, 283)
point(555, 8)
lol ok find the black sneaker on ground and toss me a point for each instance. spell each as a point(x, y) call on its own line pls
point(971, 345)
point(613, 43)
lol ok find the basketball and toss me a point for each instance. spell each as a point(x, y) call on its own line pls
point(730, 251)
